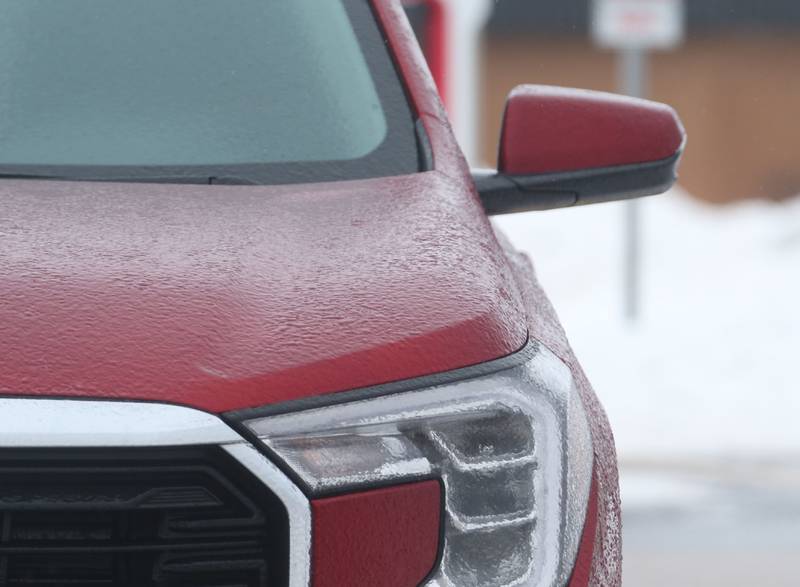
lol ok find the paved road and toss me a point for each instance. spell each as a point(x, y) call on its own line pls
point(707, 527)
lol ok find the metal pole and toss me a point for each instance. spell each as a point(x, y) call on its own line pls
point(633, 65)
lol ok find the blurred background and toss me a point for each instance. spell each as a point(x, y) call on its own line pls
point(690, 328)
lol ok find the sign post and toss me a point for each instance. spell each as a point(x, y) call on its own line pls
point(633, 28)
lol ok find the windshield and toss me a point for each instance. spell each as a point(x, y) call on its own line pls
point(269, 91)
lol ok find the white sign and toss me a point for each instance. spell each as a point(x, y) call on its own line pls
point(639, 24)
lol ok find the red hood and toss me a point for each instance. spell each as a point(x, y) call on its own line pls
point(223, 298)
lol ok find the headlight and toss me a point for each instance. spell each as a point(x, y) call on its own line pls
point(512, 449)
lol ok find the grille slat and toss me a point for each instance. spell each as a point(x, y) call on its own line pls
point(138, 518)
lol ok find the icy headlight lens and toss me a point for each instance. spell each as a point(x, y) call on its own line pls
point(499, 445)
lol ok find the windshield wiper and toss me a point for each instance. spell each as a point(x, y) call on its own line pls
point(31, 176)
point(173, 179)
point(232, 180)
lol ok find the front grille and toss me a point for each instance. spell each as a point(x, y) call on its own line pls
point(138, 518)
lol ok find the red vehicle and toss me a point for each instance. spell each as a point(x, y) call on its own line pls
point(256, 328)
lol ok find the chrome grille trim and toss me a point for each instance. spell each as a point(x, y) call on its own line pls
point(56, 423)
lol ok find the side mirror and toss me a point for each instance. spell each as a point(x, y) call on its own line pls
point(562, 148)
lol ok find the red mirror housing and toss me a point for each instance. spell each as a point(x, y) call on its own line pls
point(562, 147)
point(551, 130)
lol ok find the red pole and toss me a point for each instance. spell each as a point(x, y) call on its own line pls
point(437, 38)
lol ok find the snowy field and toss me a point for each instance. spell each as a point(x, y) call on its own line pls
point(712, 368)
point(703, 391)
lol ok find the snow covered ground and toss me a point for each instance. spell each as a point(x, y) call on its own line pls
point(712, 369)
